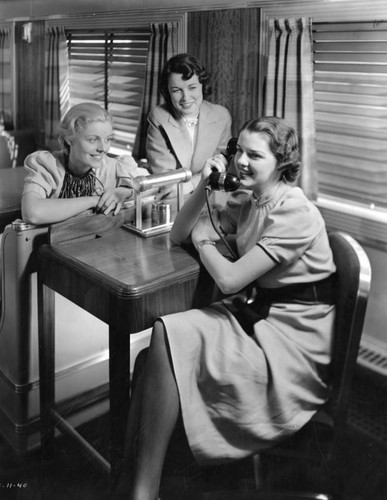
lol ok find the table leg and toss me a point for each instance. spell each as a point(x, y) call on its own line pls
point(119, 371)
point(46, 332)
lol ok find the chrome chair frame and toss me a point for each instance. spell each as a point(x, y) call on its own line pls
point(320, 439)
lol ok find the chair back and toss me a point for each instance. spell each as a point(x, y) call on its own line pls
point(26, 143)
point(353, 281)
point(8, 151)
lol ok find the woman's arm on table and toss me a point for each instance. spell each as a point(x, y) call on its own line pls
point(39, 210)
point(112, 200)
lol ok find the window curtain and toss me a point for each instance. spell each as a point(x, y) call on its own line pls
point(227, 43)
point(56, 83)
point(289, 88)
point(5, 78)
point(162, 46)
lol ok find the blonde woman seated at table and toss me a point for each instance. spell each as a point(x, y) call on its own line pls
point(80, 176)
point(242, 376)
point(187, 129)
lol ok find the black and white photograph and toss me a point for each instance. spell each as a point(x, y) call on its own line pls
point(193, 250)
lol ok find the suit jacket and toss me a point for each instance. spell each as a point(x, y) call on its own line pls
point(169, 145)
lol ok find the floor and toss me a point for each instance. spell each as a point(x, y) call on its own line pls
point(363, 464)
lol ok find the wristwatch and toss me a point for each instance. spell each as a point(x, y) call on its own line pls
point(205, 242)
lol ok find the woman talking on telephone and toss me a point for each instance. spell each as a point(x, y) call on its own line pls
point(242, 374)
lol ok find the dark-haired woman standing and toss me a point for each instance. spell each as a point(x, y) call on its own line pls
point(186, 130)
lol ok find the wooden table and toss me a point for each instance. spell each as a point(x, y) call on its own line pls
point(11, 188)
point(126, 281)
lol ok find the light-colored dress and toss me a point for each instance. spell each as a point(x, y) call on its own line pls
point(240, 394)
point(46, 173)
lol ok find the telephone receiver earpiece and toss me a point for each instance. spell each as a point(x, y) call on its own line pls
point(231, 147)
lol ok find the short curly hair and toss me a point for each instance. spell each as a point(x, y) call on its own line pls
point(187, 66)
point(283, 143)
point(76, 119)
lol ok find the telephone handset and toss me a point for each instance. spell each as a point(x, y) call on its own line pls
point(225, 181)
point(232, 147)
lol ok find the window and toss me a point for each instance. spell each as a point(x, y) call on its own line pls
point(350, 61)
point(108, 67)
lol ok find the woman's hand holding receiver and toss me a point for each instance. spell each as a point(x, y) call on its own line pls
point(216, 163)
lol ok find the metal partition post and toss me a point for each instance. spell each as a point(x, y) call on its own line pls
point(138, 207)
point(180, 196)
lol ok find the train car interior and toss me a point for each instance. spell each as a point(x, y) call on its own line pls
point(320, 64)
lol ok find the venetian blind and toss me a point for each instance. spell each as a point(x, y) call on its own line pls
point(108, 67)
point(350, 62)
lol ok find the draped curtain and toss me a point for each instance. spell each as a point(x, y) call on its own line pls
point(5, 76)
point(227, 43)
point(56, 83)
point(162, 46)
point(289, 88)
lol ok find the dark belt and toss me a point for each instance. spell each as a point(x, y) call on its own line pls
point(316, 292)
point(313, 293)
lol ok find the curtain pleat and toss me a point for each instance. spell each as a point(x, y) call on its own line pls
point(289, 88)
point(162, 46)
point(227, 43)
point(4, 38)
point(5, 77)
point(56, 83)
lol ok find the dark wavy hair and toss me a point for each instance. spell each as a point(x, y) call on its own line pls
point(283, 143)
point(187, 66)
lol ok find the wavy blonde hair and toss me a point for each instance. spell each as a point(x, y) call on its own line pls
point(77, 118)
